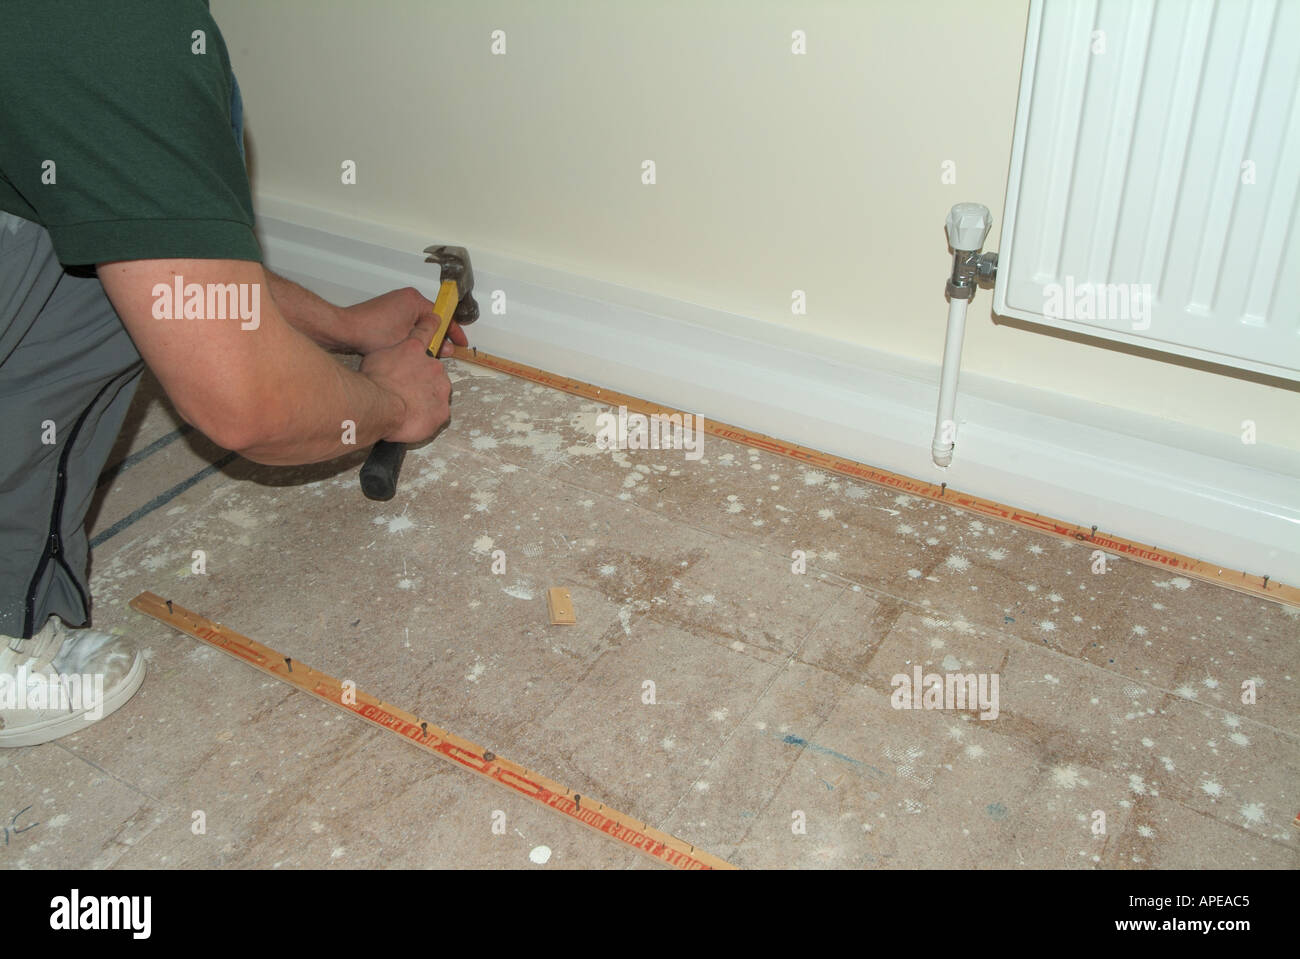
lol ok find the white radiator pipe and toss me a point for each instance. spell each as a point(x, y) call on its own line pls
point(968, 228)
point(945, 426)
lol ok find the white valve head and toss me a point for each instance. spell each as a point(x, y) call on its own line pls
point(968, 226)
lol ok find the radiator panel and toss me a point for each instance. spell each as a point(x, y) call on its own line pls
point(1155, 178)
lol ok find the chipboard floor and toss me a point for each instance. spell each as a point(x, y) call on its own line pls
point(772, 740)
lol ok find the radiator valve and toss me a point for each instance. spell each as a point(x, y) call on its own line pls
point(968, 228)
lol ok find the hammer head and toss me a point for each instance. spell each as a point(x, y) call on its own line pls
point(454, 261)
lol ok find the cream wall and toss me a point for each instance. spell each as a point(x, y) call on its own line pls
point(776, 172)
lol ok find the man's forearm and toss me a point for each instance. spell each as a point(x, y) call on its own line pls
point(267, 392)
point(346, 411)
point(316, 318)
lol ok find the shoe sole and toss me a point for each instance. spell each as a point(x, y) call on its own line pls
point(66, 724)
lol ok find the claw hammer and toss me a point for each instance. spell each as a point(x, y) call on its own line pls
point(455, 302)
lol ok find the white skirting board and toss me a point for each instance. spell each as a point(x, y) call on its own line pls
point(1139, 477)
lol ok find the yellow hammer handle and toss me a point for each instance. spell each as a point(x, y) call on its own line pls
point(444, 307)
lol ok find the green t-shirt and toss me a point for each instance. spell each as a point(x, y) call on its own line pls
point(116, 131)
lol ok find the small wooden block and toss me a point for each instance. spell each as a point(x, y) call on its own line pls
point(560, 606)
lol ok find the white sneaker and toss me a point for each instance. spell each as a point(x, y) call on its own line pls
point(61, 680)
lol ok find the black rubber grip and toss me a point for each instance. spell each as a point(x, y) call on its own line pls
point(379, 473)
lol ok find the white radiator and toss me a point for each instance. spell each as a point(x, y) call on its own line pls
point(1154, 190)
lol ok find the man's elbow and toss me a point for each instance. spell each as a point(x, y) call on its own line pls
point(257, 432)
point(251, 442)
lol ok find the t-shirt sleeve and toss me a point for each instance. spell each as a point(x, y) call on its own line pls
point(116, 122)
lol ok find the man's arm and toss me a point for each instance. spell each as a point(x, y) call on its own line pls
point(266, 391)
point(373, 325)
point(318, 319)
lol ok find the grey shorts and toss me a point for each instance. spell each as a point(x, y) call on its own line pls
point(68, 371)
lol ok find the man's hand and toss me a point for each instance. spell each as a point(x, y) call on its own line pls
point(406, 370)
point(373, 325)
point(387, 320)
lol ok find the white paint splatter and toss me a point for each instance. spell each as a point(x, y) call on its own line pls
point(1252, 812)
point(540, 855)
point(241, 518)
point(1067, 777)
point(396, 524)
